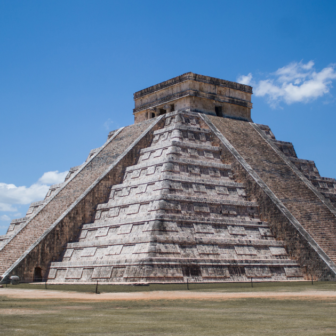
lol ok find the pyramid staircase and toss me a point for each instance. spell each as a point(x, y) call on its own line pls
point(325, 185)
point(298, 212)
point(178, 214)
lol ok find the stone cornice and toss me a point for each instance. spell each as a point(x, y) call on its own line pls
point(194, 77)
point(194, 93)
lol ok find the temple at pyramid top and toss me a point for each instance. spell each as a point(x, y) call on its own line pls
point(196, 93)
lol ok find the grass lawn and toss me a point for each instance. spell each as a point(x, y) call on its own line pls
point(179, 317)
point(252, 316)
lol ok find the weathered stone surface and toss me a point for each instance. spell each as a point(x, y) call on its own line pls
point(185, 196)
point(178, 214)
point(313, 234)
point(197, 93)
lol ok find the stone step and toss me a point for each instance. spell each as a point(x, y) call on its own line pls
point(141, 192)
point(181, 127)
point(168, 176)
point(178, 262)
point(173, 159)
point(274, 174)
point(179, 143)
point(253, 223)
point(177, 238)
point(181, 153)
point(175, 198)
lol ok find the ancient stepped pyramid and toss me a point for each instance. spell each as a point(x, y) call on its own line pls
point(194, 190)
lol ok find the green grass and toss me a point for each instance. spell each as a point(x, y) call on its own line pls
point(215, 287)
point(180, 317)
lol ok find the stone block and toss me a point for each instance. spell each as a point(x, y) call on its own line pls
point(52, 273)
point(102, 272)
point(245, 250)
point(74, 273)
point(258, 272)
point(236, 230)
point(114, 249)
point(102, 232)
point(207, 249)
point(68, 253)
point(203, 228)
point(124, 229)
point(89, 252)
point(293, 272)
point(278, 250)
point(215, 272)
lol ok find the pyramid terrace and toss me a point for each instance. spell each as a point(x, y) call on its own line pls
point(193, 191)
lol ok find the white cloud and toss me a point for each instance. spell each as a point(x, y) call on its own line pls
point(7, 207)
point(245, 79)
point(5, 218)
point(10, 194)
point(52, 177)
point(294, 83)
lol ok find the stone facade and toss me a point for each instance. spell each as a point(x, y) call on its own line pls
point(195, 93)
point(182, 196)
point(178, 213)
point(298, 213)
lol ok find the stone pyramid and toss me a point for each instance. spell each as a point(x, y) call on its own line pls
point(193, 191)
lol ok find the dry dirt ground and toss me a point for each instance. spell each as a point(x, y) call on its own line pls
point(164, 295)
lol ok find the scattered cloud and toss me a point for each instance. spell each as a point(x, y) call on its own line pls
point(4, 218)
point(245, 79)
point(53, 177)
point(11, 195)
point(296, 82)
point(108, 123)
point(7, 207)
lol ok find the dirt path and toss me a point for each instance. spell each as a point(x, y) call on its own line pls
point(162, 295)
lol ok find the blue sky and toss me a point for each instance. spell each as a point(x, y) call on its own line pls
point(68, 71)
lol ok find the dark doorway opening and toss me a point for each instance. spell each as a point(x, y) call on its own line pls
point(162, 111)
point(172, 108)
point(218, 110)
point(152, 115)
point(38, 274)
